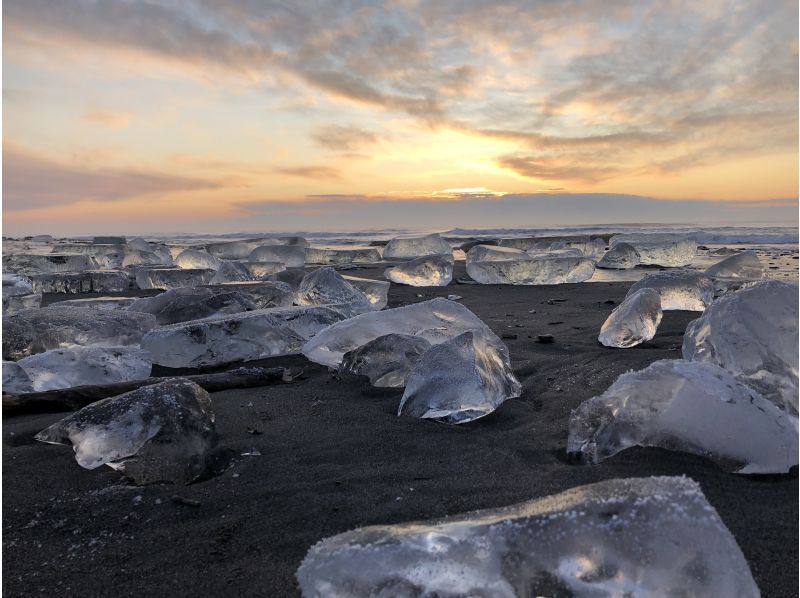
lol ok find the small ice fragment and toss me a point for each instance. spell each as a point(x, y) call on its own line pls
point(403, 248)
point(78, 366)
point(679, 289)
point(634, 321)
point(454, 297)
point(325, 286)
point(621, 256)
point(547, 270)
point(386, 360)
point(432, 271)
point(15, 379)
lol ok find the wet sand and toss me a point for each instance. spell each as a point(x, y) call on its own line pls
point(334, 456)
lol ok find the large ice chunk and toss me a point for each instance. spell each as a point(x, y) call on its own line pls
point(377, 291)
point(588, 246)
point(193, 303)
point(291, 276)
point(460, 380)
point(493, 253)
point(264, 293)
point(436, 321)
point(91, 281)
point(158, 433)
point(18, 294)
point(626, 537)
point(237, 337)
point(656, 249)
point(16, 284)
point(194, 258)
point(162, 252)
point(634, 321)
point(689, 406)
point(293, 256)
point(386, 360)
point(743, 265)
point(679, 289)
point(238, 250)
point(403, 248)
point(15, 379)
point(172, 278)
point(621, 256)
point(544, 270)
point(48, 263)
point(138, 257)
point(753, 334)
point(107, 257)
point(431, 271)
point(361, 255)
point(77, 366)
point(231, 272)
point(324, 286)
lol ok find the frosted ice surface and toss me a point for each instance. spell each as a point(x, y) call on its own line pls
point(377, 291)
point(237, 337)
point(548, 270)
point(363, 255)
point(744, 265)
point(689, 406)
point(586, 245)
point(679, 289)
point(48, 263)
point(634, 321)
point(492, 253)
point(657, 249)
point(15, 380)
point(136, 257)
point(753, 334)
point(238, 250)
point(193, 303)
point(142, 247)
point(460, 380)
point(106, 256)
point(158, 433)
point(403, 248)
point(621, 256)
point(436, 321)
point(98, 302)
point(77, 366)
point(293, 256)
point(263, 293)
point(386, 360)
point(194, 258)
point(431, 271)
point(263, 270)
point(654, 536)
point(324, 286)
point(172, 278)
point(94, 281)
point(16, 303)
point(231, 272)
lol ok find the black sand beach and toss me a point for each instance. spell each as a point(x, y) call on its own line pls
point(334, 456)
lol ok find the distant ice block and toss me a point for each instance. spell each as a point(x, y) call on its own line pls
point(387, 360)
point(194, 258)
point(324, 286)
point(550, 270)
point(377, 291)
point(293, 256)
point(193, 303)
point(16, 303)
point(679, 289)
point(634, 321)
point(77, 366)
point(48, 263)
point(588, 246)
point(693, 407)
point(143, 248)
point(94, 281)
point(403, 248)
point(654, 536)
point(158, 433)
point(436, 321)
point(42, 239)
point(362, 255)
point(237, 337)
point(107, 257)
point(753, 334)
point(621, 256)
point(431, 271)
point(55, 327)
point(673, 251)
point(743, 265)
point(97, 302)
point(172, 278)
point(238, 250)
point(15, 379)
point(493, 253)
point(460, 380)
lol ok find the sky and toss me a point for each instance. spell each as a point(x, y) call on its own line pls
point(254, 115)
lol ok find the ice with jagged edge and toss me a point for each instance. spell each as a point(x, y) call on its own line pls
point(387, 360)
point(621, 256)
point(159, 433)
point(97, 302)
point(431, 271)
point(15, 379)
point(545, 270)
point(633, 321)
point(679, 289)
point(753, 334)
point(655, 536)
point(377, 291)
point(332, 257)
point(403, 248)
point(192, 303)
point(231, 272)
point(79, 366)
point(695, 407)
point(436, 321)
point(494, 253)
point(48, 263)
point(195, 258)
point(89, 281)
point(660, 249)
point(237, 337)
point(107, 257)
point(138, 257)
point(173, 278)
point(325, 286)
point(263, 293)
point(292, 256)
point(460, 380)
point(161, 252)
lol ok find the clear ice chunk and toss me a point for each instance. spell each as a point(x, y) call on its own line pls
point(107, 257)
point(325, 286)
point(263, 293)
point(387, 360)
point(361, 255)
point(239, 250)
point(291, 276)
point(159, 433)
point(194, 258)
point(172, 278)
point(655, 249)
point(231, 272)
point(431, 271)
point(547, 270)
point(263, 270)
point(48, 263)
point(587, 246)
point(15, 379)
point(753, 334)
point(654, 536)
point(460, 380)
point(98, 302)
point(237, 337)
point(403, 248)
point(694, 407)
point(621, 256)
point(493, 253)
point(193, 303)
point(94, 281)
point(377, 291)
point(679, 289)
point(77, 366)
point(436, 321)
point(634, 321)
point(743, 265)
point(137, 257)
point(292, 256)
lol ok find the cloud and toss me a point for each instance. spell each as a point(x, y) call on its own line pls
point(109, 118)
point(343, 137)
point(325, 173)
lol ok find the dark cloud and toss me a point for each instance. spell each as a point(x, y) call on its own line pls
point(343, 138)
point(324, 173)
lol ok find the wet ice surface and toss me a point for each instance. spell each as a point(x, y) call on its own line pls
point(670, 250)
point(194, 258)
point(377, 291)
point(431, 271)
point(49, 263)
point(679, 289)
point(753, 333)
point(192, 303)
point(401, 248)
point(325, 286)
point(90, 281)
point(492, 253)
point(654, 536)
point(634, 321)
point(387, 360)
point(15, 379)
point(620, 257)
point(460, 380)
point(744, 265)
point(78, 366)
point(586, 245)
point(292, 256)
point(544, 270)
point(158, 433)
point(173, 278)
point(694, 407)
point(361, 255)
